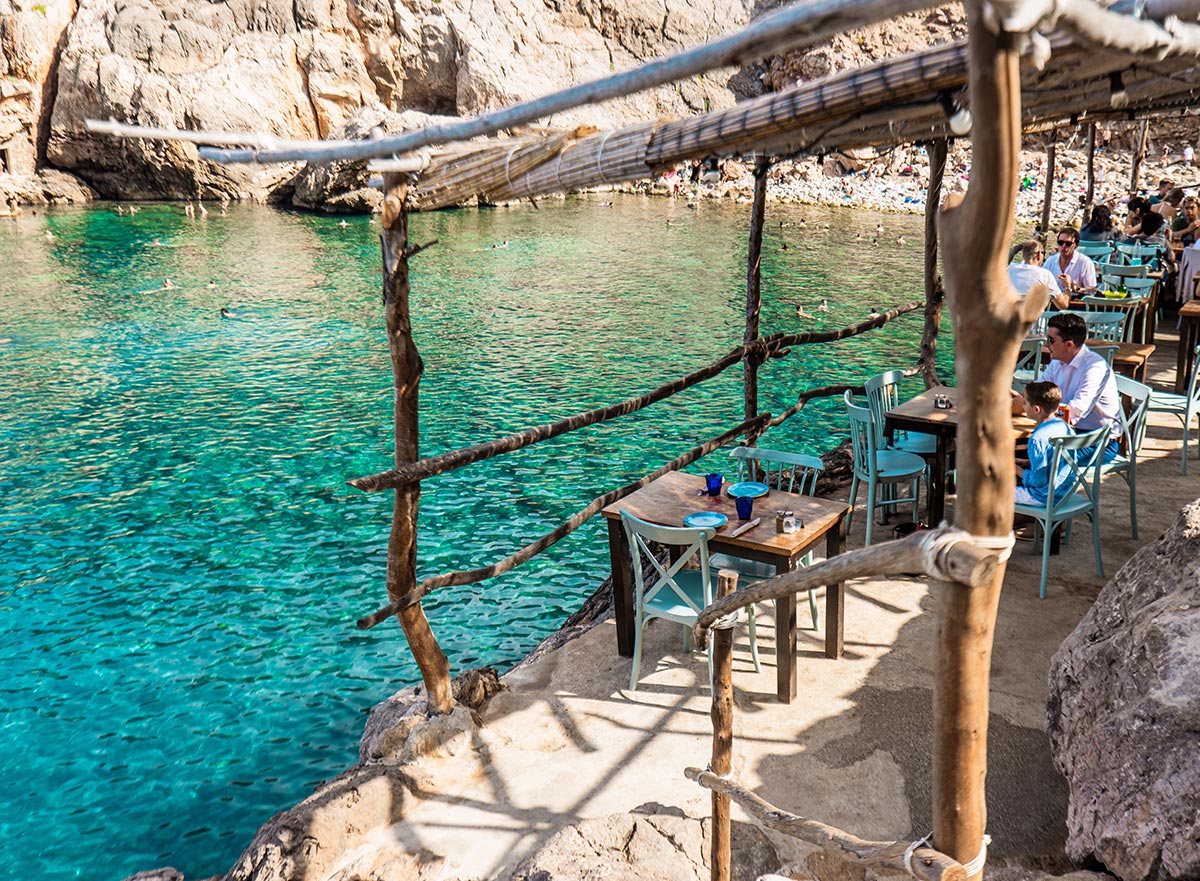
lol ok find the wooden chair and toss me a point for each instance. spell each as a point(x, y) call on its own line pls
point(876, 467)
point(1186, 407)
point(1133, 425)
point(774, 468)
point(677, 594)
point(1082, 498)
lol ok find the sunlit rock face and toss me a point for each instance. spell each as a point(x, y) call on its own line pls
point(1124, 714)
point(304, 68)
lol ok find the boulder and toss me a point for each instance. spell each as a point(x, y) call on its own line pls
point(652, 843)
point(1124, 714)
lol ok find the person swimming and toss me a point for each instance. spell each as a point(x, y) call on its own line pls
point(212, 284)
point(228, 313)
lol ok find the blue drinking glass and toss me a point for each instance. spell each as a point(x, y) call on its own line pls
point(745, 505)
point(713, 483)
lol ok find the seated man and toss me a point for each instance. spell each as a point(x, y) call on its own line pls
point(1074, 271)
point(1025, 275)
point(1033, 474)
point(1087, 382)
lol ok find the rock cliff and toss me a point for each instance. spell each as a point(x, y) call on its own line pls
point(303, 68)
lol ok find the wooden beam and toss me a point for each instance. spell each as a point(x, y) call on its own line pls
point(722, 722)
point(406, 376)
point(1138, 157)
point(1048, 197)
point(1091, 172)
point(935, 294)
point(753, 358)
point(990, 320)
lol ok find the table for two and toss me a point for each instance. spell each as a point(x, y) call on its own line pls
point(921, 415)
point(675, 495)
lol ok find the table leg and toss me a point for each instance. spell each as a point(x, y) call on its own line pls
point(785, 644)
point(622, 586)
point(835, 596)
point(937, 481)
point(1186, 355)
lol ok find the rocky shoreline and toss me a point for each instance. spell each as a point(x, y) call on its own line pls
point(894, 182)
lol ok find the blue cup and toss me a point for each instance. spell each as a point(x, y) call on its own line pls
point(745, 506)
point(713, 484)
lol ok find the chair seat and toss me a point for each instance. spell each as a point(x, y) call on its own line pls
point(748, 569)
point(1167, 402)
point(667, 604)
point(917, 443)
point(1070, 507)
point(898, 465)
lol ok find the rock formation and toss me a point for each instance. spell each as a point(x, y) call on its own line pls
point(303, 68)
point(1124, 714)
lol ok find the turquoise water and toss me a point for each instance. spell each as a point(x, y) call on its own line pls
point(181, 562)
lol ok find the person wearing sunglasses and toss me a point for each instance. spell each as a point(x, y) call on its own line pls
point(1073, 271)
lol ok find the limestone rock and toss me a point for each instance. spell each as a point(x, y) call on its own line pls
point(29, 36)
point(165, 874)
point(653, 843)
point(1124, 714)
point(307, 842)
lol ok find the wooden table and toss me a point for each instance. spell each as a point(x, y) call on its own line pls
point(674, 495)
point(1189, 335)
point(919, 414)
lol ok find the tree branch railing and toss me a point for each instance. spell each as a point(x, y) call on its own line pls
point(924, 862)
point(947, 555)
point(566, 528)
point(769, 346)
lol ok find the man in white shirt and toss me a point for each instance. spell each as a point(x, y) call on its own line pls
point(1087, 382)
point(1025, 275)
point(1073, 270)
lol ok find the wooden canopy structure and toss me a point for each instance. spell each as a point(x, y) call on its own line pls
point(898, 101)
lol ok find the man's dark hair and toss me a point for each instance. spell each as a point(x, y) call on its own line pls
point(1044, 395)
point(1071, 327)
point(1031, 248)
point(1071, 231)
point(1174, 197)
point(1152, 223)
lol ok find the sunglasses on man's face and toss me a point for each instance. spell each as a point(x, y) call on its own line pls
point(1065, 243)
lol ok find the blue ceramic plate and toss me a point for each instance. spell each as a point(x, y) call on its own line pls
point(705, 520)
point(750, 488)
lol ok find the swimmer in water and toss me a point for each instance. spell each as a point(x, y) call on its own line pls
point(874, 313)
point(167, 285)
point(228, 313)
point(212, 284)
point(824, 307)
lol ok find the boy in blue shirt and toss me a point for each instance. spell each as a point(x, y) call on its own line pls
point(1042, 400)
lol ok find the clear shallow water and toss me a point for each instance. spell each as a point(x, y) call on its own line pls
point(181, 562)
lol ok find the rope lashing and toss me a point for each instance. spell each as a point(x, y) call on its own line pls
point(908, 852)
point(976, 865)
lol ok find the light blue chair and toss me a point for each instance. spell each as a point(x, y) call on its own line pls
point(1082, 498)
point(676, 594)
point(1108, 353)
point(787, 472)
point(876, 467)
point(1133, 426)
point(883, 394)
point(1030, 355)
point(1109, 326)
point(1097, 250)
point(1186, 407)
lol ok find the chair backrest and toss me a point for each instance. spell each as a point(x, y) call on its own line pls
point(1030, 355)
point(1105, 325)
point(1096, 249)
point(755, 463)
point(1137, 253)
point(1067, 452)
point(1108, 353)
point(1140, 287)
point(694, 543)
point(883, 393)
point(1117, 270)
point(1133, 422)
point(862, 438)
point(1194, 387)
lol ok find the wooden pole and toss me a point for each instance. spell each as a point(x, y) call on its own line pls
point(1050, 154)
point(1138, 156)
point(990, 320)
point(753, 359)
point(722, 722)
point(935, 294)
point(406, 376)
point(1091, 173)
